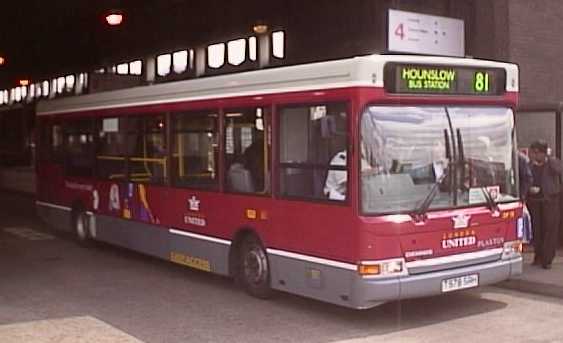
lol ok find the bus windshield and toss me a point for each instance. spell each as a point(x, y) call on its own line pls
point(445, 157)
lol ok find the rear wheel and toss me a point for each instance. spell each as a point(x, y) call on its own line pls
point(254, 268)
point(81, 229)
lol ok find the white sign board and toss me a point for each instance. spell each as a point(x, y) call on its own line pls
point(425, 34)
point(476, 195)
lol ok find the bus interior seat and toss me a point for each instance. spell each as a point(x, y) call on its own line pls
point(240, 179)
point(297, 182)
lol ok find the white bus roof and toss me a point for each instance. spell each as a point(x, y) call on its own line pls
point(364, 71)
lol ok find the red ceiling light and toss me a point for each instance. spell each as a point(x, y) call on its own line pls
point(2, 61)
point(114, 18)
point(24, 82)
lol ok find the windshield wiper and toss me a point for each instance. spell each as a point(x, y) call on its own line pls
point(419, 212)
point(461, 159)
point(491, 204)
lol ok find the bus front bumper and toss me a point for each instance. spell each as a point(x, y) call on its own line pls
point(368, 293)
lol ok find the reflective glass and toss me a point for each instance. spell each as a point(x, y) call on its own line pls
point(408, 151)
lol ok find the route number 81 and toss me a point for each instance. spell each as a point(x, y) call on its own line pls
point(481, 83)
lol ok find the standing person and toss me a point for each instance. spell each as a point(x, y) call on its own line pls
point(526, 180)
point(525, 173)
point(543, 201)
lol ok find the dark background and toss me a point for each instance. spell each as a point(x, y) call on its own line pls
point(41, 38)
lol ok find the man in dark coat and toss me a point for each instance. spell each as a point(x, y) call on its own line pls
point(525, 174)
point(543, 201)
point(526, 180)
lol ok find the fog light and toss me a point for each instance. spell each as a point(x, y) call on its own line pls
point(392, 267)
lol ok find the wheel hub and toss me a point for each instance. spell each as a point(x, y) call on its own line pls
point(80, 228)
point(255, 266)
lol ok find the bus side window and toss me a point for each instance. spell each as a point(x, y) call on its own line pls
point(56, 143)
point(79, 147)
point(313, 148)
point(246, 150)
point(195, 149)
point(50, 142)
point(147, 149)
point(110, 154)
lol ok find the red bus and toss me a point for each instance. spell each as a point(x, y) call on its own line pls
point(354, 181)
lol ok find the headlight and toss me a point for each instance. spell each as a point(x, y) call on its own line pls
point(512, 250)
point(372, 269)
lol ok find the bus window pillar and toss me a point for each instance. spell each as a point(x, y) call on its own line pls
point(264, 50)
point(558, 131)
point(81, 83)
point(200, 61)
point(150, 69)
point(53, 89)
point(30, 96)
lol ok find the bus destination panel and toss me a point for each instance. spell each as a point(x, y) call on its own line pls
point(438, 79)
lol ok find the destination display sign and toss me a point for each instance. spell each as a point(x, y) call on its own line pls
point(436, 79)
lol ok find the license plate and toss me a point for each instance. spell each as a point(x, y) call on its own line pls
point(461, 282)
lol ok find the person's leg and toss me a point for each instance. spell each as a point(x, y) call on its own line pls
point(550, 218)
point(535, 208)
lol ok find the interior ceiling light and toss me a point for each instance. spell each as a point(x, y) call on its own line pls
point(260, 28)
point(114, 18)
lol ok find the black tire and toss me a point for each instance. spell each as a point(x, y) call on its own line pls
point(80, 226)
point(254, 268)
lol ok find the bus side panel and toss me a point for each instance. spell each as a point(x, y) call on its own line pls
point(42, 187)
point(175, 245)
point(75, 192)
point(199, 253)
point(316, 229)
point(218, 215)
point(141, 237)
point(321, 281)
point(139, 217)
point(49, 181)
point(310, 279)
point(56, 217)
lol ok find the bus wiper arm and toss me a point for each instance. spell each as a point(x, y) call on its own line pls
point(491, 204)
point(420, 211)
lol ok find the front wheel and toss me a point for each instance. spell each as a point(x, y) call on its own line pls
point(254, 272)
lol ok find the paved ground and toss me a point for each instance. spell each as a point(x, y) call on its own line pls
point(53, 290)
point(537, 280)
point(71, 330)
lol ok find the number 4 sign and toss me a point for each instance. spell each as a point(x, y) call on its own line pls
point(400, 31)
point(425, 34)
